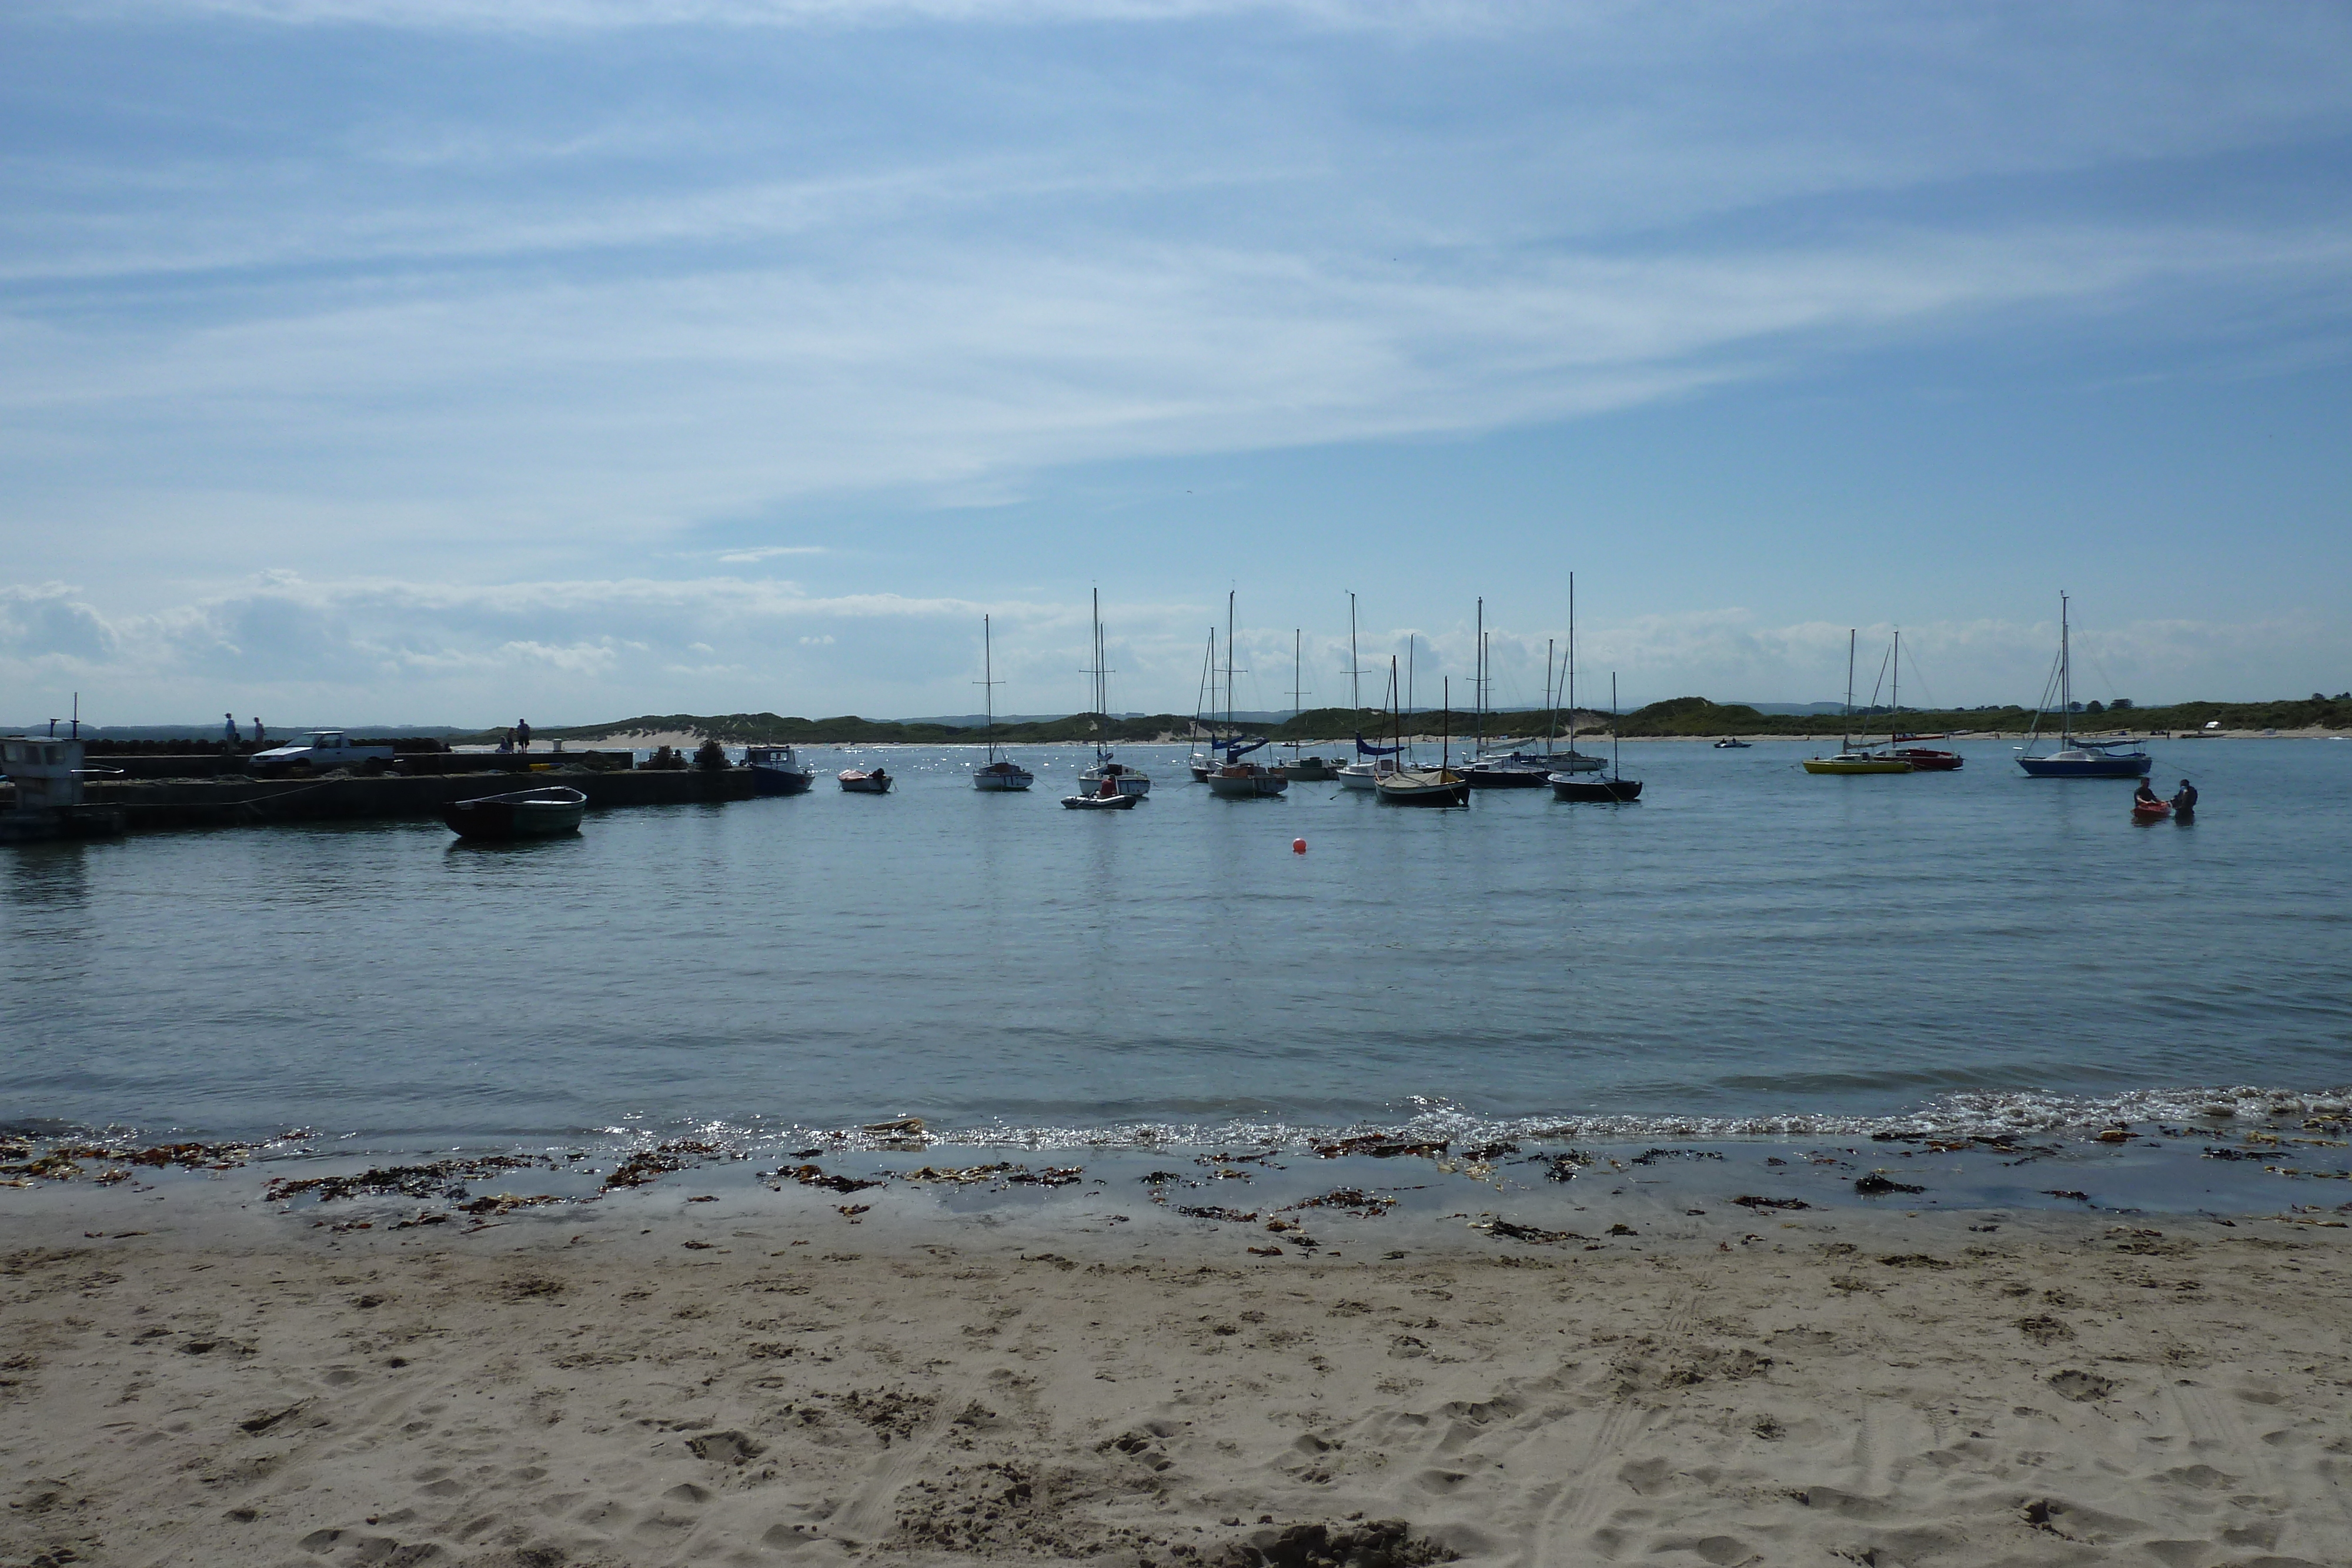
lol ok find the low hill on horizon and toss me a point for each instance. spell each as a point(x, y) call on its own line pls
point(1676, 717)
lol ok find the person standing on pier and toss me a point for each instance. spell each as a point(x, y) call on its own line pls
point(228, 728)
point(258, 734)
point(522, 734)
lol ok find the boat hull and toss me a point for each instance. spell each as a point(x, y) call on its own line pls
point(1002, 780)
point(1504, 776)
point(1129, 781)
point(528, 814)
point(2128, 767)
point(1247, 785)
point(1411, 787)
point(856, 783)
point(1311, 769)
point(2157, 813)
point(1856, 765)
point(780, 781)
point(1100, 802)
point(1925, 759)
point(1605, 791)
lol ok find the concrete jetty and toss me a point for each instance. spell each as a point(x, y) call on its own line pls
point(148, 805)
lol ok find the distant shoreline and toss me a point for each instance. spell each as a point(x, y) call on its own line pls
point(685, 740)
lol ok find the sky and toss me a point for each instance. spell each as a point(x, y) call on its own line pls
point(456, 361)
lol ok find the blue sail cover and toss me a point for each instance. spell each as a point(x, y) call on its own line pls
point(1239, 745)
point(1365, 748)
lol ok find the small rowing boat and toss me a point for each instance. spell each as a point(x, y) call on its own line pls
point(860, 781)
point(524, 814)
point(2151, 810)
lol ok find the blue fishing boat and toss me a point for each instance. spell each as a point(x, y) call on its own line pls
point(2075, 758)
point(776, 770)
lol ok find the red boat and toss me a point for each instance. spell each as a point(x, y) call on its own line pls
point(2150, 811)
point(1927, 759)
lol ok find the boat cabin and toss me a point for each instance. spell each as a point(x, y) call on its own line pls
point(46, 771)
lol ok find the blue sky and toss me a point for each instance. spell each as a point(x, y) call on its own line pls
point(412, 360)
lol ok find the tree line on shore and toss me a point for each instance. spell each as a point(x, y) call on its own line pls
point(1676, 717)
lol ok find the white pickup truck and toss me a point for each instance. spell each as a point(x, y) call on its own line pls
point(327, 749)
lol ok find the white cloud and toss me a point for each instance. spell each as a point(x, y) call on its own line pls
point(581, 650)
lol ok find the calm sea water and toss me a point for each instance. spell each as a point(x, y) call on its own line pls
point(1747, 948)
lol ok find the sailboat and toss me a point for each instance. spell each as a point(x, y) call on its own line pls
point(1616, 788)
point(1203, 762)
point(1000, 774)
point(1849, 760)
point(1922, 759)
point(1373, 763)
point(1439, 786)
point(1127, 781)
point(1514, 771)
point(2078, 759)
point(1302, 767)
point(1232, 778)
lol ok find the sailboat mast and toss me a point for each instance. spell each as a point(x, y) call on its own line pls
point(1571, 668)
point(1297, 685)
point(988, 684)
point(1411, 641)
point(1616, 769)
point(1478, 682)
point(1845, 718)
point(1355, 681)
point(1229, 658)
point(1551, 700)
point(1396, 713)
point(1894, 694)
point(2065, 679)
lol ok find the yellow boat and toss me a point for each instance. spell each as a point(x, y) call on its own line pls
point(1849, 760)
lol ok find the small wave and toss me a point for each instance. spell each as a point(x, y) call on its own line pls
point(1961, 1114)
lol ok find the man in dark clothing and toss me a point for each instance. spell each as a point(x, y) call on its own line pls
point(522, 734)
point(2184, 799)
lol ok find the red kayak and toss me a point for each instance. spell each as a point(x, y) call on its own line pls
point(2150, 811)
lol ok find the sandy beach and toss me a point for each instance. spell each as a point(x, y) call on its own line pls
point(708, 1383)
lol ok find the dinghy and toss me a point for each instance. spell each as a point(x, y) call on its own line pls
point(524, 814)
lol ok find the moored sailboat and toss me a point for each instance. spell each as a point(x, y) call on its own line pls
point(1922, 759)
point(1439, 786)
point(1616, 788)
point(1000, 775)
point(1128, 780)
point(2077, 759)
point(1232, 778)
point(1849, 760)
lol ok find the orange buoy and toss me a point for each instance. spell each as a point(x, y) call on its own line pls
point(1299, 846)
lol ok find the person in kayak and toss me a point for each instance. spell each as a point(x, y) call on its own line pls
point(2145, 797)
point(2184, 799)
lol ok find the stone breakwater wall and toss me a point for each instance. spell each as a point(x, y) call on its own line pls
point(151, 804)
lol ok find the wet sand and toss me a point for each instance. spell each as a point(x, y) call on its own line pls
point(209, 1380)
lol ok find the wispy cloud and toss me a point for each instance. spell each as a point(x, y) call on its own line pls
point(582, 650)
point(565, 292)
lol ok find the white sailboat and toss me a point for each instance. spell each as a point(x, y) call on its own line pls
point(1373, 763)
point(1128, 781)
point(1002, 774)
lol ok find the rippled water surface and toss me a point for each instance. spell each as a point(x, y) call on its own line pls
point(1748, 942)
